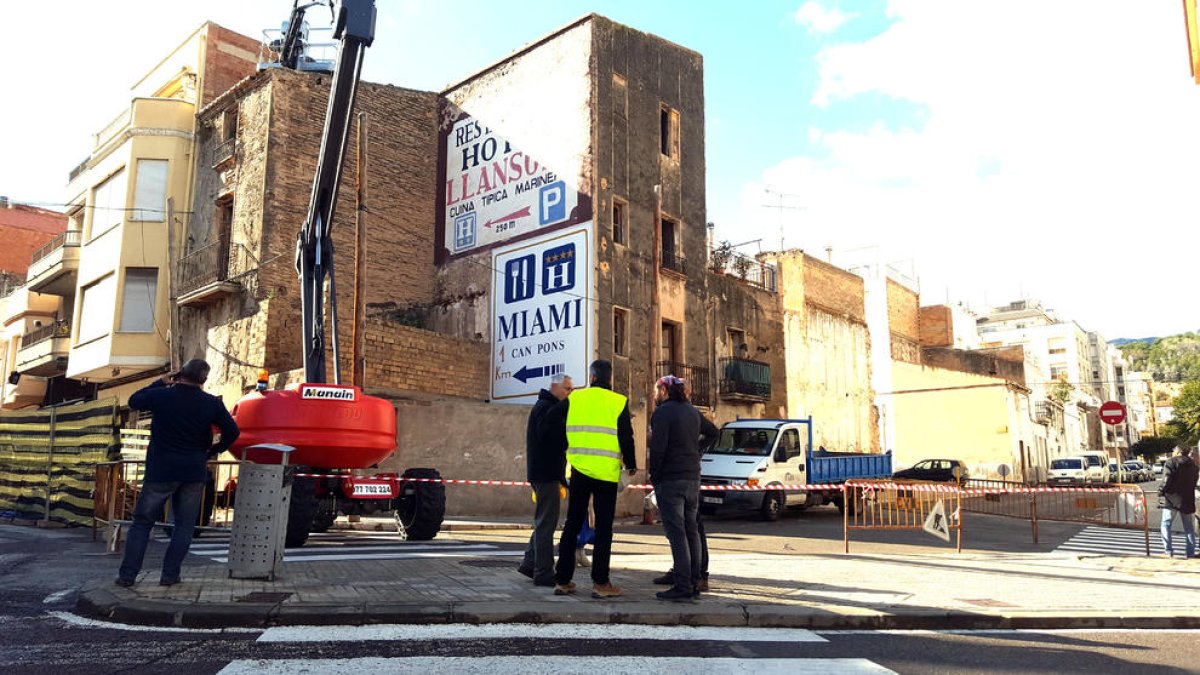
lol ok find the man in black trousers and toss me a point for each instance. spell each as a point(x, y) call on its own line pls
point(545, 468)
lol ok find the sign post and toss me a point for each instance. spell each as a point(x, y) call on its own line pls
point(1112, 412)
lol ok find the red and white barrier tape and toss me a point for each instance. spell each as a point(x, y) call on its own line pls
point(865, 486)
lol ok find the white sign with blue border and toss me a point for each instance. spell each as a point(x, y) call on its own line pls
point(542, 312)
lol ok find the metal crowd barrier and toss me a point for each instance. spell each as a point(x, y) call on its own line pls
point(119, 483)
point(900, 505)
point(1118, 506)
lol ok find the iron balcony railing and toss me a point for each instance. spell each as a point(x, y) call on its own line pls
point(204, 266)
point(744, 378)
point(674, 262)
point(225, 150)
point(57, 329)
point(68, 238)
point(747, 269)
point(696, 376)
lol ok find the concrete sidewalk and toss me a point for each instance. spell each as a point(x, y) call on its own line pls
point(872, 591)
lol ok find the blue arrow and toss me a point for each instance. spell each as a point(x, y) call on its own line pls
point(526, 373)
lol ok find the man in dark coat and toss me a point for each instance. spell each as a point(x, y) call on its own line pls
point(677, 433)
point(181, 443)
point(1177, 496)
point(545, 469)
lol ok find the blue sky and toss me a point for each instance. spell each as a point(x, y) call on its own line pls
point(996, 150)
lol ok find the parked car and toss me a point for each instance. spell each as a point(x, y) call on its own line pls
point(1158, 467)
point(1141, 470)
point(1116, 473)
point(1096, 466)
point(945, 470)
point(1068, 471)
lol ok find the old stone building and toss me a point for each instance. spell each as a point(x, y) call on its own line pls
point(544, 212)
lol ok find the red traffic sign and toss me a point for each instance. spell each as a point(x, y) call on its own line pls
point(1112, 412)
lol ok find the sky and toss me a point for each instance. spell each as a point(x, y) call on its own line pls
point(993, 151)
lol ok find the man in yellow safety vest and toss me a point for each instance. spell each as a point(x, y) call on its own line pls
point(599, 439)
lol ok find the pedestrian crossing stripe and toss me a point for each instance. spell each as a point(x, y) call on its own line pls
point(565, 665)
point(455, 632)
point(391, 548)
point(1111, 541)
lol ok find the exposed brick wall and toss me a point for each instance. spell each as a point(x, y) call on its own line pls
point(229, 57)
point(834, 290)
point(25, 229)
point(1008, 364)
point(406, 358)
point(903, 311)
point(936, 326)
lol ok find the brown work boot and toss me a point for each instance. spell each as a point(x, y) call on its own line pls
point(602, 591)
point(564, 589)
point(702, 585)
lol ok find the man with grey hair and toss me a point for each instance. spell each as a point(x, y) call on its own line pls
point(545, 469)
point(1177, 495)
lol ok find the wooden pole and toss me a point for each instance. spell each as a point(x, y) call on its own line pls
point(173, 342)
point(358, 337)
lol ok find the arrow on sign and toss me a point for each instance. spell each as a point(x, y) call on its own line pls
point(526, 373)
point(512, 216)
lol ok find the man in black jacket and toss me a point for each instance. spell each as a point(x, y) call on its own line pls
point(181, 443)
point(677, 432)
point(1177, 495)
point(545, 469)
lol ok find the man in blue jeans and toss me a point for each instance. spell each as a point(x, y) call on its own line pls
point(176, 464)
point(1177, 496)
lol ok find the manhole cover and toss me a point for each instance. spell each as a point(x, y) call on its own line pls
point(485, 563)
point(264, 597)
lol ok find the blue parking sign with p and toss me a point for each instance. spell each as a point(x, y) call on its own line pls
point(552, 203)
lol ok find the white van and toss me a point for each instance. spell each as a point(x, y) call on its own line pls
point(1097, 466)
point(1068, 471)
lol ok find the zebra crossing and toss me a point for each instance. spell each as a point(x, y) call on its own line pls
point(1113, 541)
point(332, 546)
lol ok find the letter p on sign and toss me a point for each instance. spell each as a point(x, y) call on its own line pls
point(552, 203)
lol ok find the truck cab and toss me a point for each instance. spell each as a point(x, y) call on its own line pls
point(755, 453)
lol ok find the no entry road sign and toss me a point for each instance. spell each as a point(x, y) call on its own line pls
point(1112, 412)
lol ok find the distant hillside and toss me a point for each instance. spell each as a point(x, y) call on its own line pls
point(1121, 342)
point(1168, 359)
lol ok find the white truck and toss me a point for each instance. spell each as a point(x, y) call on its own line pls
point(773, 453)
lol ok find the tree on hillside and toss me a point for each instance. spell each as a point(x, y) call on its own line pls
point(1175, 358)
point(1186, 423)
point(1150, 448)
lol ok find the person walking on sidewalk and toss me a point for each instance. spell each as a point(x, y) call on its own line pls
point(181, 433)
point(674, 463)
point(1177, 496)
point(599, 436)
point(545, 469)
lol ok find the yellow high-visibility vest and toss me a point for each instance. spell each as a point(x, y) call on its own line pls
point(592, 447)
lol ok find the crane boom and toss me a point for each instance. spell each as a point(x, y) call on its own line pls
point(354, 28)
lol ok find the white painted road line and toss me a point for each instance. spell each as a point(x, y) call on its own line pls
point(378, 548)
point(83, 622)
point(55, 597)
point(623, 632)
point(555, 665)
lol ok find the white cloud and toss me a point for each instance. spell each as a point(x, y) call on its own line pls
point(817, 19)
point(1058, 160)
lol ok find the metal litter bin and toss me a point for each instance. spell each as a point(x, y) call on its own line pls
point(256, 542)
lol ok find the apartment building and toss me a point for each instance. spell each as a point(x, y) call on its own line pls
point(108, 323)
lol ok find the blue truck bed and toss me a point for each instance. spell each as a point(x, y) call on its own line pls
point(827, 467)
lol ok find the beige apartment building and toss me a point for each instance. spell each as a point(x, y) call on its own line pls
point(100, 291)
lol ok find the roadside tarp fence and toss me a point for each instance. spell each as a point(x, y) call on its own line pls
point(48, 459)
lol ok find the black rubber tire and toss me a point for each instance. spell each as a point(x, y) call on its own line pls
point(772, 506)
point(323, 520)
point(301, 511)
point(708, 510)
point(421, 507)
point(841, 504)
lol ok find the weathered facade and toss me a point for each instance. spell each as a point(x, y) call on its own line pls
point(609, 118)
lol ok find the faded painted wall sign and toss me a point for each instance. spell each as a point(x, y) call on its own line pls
point(493, 190)
point(541, 313)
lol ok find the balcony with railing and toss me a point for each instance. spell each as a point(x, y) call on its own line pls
point(695, 376)
point(753, 272)
point(744, 379)
point(203, 275)
point(673, 262)
point(54, 267)
point(224, 154)
point(44, 350)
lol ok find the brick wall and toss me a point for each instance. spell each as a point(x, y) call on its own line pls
point(903, 311)
point(1007, 364)
point(936, 326)
point(411, 359)
point(834, 290)
point(228, 58)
